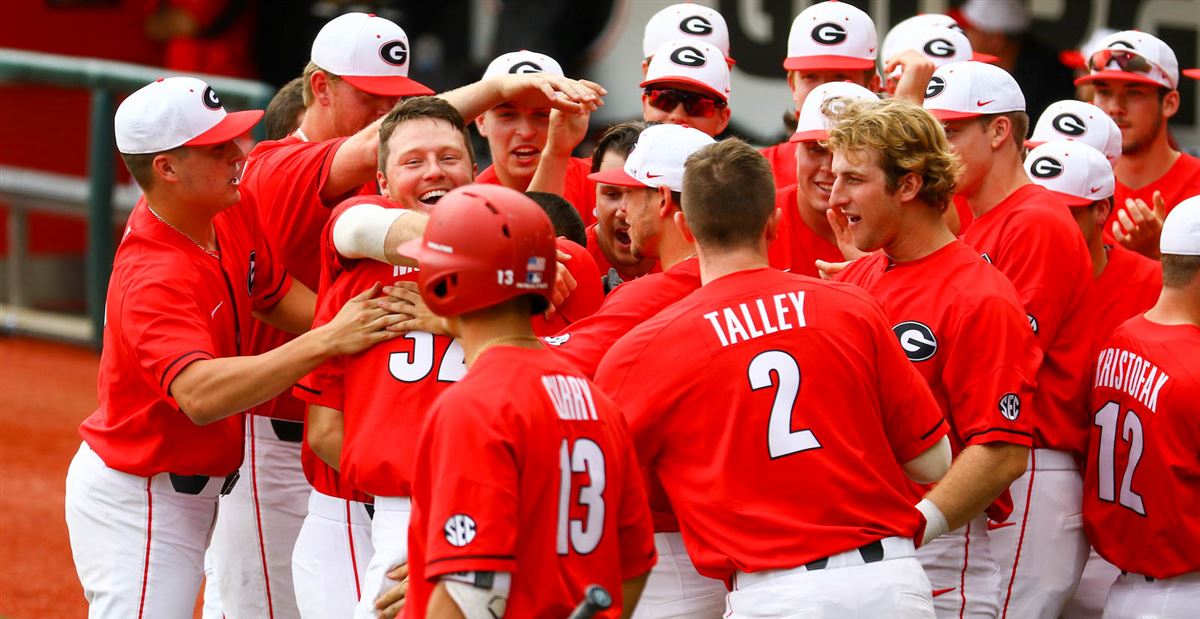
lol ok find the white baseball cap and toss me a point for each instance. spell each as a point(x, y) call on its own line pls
point(940, 45)
point(1133, 56)
point(690, 21)
point(1076, 121)
point(523, 61)
point(368, 51)
point(969, 89)
point(657, 159)
point(928, 20)
point(1181, 230)
point(691, 62)
point(173, 112)
point(831, 36)
point(1003, 16)
point(812, 123)
point(1075, 172)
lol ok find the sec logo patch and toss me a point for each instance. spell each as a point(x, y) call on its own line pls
point(459, 530)
point(1010, 406)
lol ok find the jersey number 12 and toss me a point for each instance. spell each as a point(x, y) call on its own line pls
point(1106, 420)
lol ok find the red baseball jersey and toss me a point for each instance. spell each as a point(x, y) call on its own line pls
point(169, 304)
point(325, 391)
point(1033, 239)
point(578, 189)
point(796, 384)
point(959, 321)
point(965, 215)
point(583, 301)
point(386, 391)
point(796, 248)
point(628, 305)
point(593, 247)
point(286, 177)
point(1181, 182)
point(1141, 489)
point(1129, 285)
point(782, 158)
point(525, 467)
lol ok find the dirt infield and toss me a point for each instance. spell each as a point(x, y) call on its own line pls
point(46, 390)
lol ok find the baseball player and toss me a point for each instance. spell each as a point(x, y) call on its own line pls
point(685, 21)
point(895, 176)
point(359, 69)
point(608, 238)
point(804, 233)
point(167, 437)
point(526, 488)
point(828, 42)
point(805, 394)
point(1028, 233)
point(687, 83)
point(1140, 492)
point(652, 176)
point(285, 112)
point(1075, 121)
point(521, 136)
point(1136, 76)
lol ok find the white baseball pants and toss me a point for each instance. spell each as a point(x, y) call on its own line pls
point(1133, 596)
point(138, 543)
point(389, 535)
point(675, 590)
point(330, 560)
point(1041, 555)
point(962, 572)
point(1098, 577)
point(847, 588)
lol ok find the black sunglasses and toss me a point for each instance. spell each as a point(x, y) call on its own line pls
point(694, 103)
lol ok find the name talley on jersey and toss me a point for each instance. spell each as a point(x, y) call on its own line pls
point(753, 319)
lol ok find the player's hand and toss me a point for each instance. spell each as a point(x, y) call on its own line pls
point(564, 284)
point(916, 72)
point(390, 602)
point(1139, 228)
point(828, 269)
point(547, 90)
point(567, 130)
point(360, 324)
point(404, 298)
point(843, 235)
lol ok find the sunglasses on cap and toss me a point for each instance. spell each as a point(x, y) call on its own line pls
point(1126, 60)
point(694, 103)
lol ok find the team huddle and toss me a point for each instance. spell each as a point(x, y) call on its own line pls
point(915, 361)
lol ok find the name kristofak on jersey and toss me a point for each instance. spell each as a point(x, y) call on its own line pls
point(572, 397)
point(1128, 372)
point(764, 316)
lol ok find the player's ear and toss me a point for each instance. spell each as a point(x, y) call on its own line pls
point(908, 187)
point(1170, 104)
point(1000, 129)
point(1102, 208)
point(381, 180)
point(665, 202)
point(724, 113)
point(479, 124)
point(320, 84)
point(771, 232)
point(682, 224)
point(645, 67)
point(166, 167)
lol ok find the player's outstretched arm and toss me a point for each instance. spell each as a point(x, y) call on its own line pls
point(567, 130)
point(294, 312)
point(371, 231)
point(979, 474)
point(212, 389)
point(631, 592)
point(324, 429)
point(528, 89)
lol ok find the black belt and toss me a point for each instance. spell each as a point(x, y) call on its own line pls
point(1148, 578)
point(195, 484)
point(288, 431)
point(871, 553)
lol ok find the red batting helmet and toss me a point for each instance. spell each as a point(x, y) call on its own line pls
point(484, 244)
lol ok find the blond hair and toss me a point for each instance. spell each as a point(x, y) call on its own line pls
point(309, 69)
point(909, 139)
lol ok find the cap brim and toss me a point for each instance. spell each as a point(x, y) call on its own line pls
point(1192, 73)
point(1073, 201)
point(827, 63)
point(981, 57)
point(616, 176)
point(233, 126)
point(388, 85)
point(1120, 76)
point(953, 115)
point(668, 80)
point(1073, 59)
point(809, 136)
point(1033, 144)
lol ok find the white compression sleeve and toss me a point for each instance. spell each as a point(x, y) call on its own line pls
point(479, 595)
point(361, 231)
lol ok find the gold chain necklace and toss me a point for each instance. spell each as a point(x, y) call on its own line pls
point(184, 234)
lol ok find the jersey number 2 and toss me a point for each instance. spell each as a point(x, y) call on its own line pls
point(1106, 419)
point(581, 535)
point(781, 439)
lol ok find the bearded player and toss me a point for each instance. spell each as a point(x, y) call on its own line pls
point(526, 488)
point(895, 176)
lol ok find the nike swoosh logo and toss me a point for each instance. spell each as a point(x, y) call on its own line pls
point(992, 526)
point(1095, 189)
point(937, 592)
point(213, 313)
point(649, 175)
point(983, 103)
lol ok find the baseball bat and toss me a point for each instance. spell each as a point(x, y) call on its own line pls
point(595, 599)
